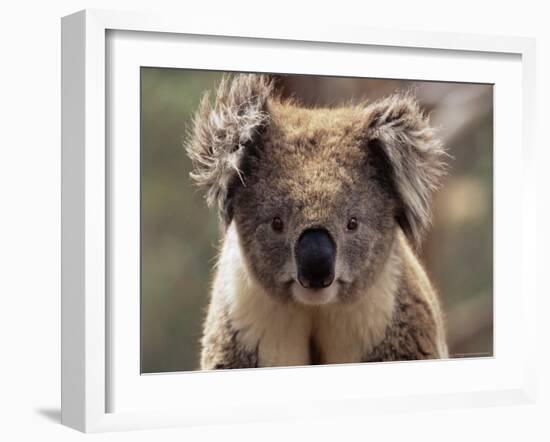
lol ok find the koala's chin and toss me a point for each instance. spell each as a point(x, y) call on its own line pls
point(326, 295)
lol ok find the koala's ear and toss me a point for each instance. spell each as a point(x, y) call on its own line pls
point(416, 157)
point(223, 132)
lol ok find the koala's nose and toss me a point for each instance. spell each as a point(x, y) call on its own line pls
point(315, 257)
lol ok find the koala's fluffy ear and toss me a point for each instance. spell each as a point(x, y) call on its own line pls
point(416, 157)
point(223, 131)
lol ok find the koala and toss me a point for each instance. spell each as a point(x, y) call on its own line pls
point(322, 212)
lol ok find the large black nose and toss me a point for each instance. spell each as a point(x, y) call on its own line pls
point(315, 257)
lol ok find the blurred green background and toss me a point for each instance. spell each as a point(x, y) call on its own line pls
point(179, 235)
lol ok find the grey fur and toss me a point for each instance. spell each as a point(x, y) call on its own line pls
point(416, 155)
point(222, 348)
point(222, 132)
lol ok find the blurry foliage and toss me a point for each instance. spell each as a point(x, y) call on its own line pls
point(179, 236)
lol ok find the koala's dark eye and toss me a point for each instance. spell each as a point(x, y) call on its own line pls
point(277, 224)
point(352, 223)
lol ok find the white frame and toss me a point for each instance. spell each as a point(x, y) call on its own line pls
point(84, 201)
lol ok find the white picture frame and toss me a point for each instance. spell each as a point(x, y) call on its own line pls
point(91, 358)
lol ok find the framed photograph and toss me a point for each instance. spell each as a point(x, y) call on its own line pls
point(267, 223)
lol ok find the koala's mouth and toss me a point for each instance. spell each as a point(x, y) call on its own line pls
point(317, 296)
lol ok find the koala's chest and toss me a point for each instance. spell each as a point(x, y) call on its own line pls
point(290, 337)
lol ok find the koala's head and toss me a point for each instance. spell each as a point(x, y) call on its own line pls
point(316, 195)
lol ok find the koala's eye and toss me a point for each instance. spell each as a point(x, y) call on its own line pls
point(277, 224)
point(352, 223)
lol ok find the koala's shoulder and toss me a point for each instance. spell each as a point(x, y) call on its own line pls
point(221, 346)
point(416, 327)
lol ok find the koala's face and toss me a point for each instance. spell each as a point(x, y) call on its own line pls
point(316, 215)
point(316, 195)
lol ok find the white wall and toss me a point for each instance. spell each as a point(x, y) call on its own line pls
point(30, 217)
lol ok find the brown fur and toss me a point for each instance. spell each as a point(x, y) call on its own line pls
point(258, 158)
